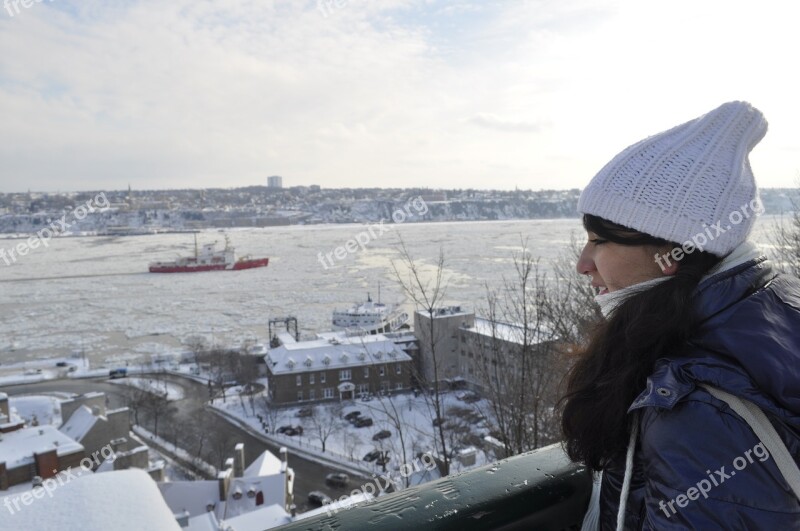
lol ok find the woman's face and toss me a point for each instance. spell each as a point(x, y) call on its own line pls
point(613, 266)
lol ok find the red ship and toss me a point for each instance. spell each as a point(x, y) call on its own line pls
point(209, 259)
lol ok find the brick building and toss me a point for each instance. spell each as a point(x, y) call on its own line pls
point(337, 367)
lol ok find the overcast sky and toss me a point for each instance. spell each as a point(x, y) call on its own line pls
point(392, 93)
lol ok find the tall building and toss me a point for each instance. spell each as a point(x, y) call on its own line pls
point(275, 181)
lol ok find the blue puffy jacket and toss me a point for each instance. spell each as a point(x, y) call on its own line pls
point(698, 465)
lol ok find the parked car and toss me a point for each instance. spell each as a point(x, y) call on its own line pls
point(383, 434)
point(304, 412)
point(316, 497)
point(469, 397)
point(366, 397)
point(284, 429)
point(61, 364)
point(352, 416)
point(362, 422)
point(118, 373)
point(372, 456)
point(337, 479)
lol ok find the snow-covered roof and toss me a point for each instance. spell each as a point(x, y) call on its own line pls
point(508, 332)
point(258, 520)
point(336, 352)
point(265, 464)
point(196, 496)
point(79, 424)
point(446, 311)
point(124, 500)
point(192, 496)
point(17, 447)
point(203, 522)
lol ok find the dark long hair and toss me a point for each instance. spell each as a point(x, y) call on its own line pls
point(613, 368)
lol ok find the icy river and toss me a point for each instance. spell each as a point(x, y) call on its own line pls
point(94, 294)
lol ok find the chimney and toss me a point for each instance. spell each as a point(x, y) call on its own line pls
point(183, 519)
point(224, 480)
point(238, 460)
point(4, 405)
point(119, 445)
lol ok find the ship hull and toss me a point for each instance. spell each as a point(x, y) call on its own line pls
point(237, 266)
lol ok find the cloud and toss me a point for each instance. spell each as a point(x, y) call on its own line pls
point(492, 121)
point(191, 93)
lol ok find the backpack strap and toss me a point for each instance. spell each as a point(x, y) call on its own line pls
point(765, 431)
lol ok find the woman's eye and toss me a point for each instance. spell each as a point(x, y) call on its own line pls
point(597, 241)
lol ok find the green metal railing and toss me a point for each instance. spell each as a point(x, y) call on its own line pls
point(540, 490)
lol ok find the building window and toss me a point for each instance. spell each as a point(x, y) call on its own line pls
point(398, 369)
point(327, 392)
point(345, 375)
point(384, 386)
point(322, 377)
point(366, 372)
point(311, 378)
point(398, 386)
point(300, 396)
point(363, 389)
point(382, 370)
point(312, 395)
point(299, 379)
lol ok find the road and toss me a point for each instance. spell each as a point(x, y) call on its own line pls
point(309, 475)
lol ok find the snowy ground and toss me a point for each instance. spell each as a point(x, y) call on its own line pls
point(352, 444)
point(153, 385)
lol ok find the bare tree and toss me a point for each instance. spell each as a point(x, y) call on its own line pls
point(785, 239)
point(136, 399)
point(160, 408)
point(428, 294)
point(271, 414)
point(519, 356)
point(325, 420)
point(197, 345)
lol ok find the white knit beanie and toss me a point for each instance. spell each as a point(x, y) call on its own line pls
point(692, 183)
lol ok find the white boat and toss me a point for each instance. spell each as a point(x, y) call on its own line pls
point(371, 317)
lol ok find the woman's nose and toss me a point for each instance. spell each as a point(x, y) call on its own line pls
point(585, 263)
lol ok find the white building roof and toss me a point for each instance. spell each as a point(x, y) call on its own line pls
point(265, 464)
point(17, 447)
point(334, 352)
point(79, 424)
point(266, 475)
point(123, 500)
point(445, 311)
point(509, 332)
point(258, 520)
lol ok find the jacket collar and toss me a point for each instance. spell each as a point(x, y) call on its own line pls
point(715, 294)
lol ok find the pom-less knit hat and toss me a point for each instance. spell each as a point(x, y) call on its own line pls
point(694, 179)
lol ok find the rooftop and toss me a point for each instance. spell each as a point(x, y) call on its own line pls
point(17, 447)
point(334, 352)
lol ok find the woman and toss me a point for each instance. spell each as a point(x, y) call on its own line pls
point(689, 302)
